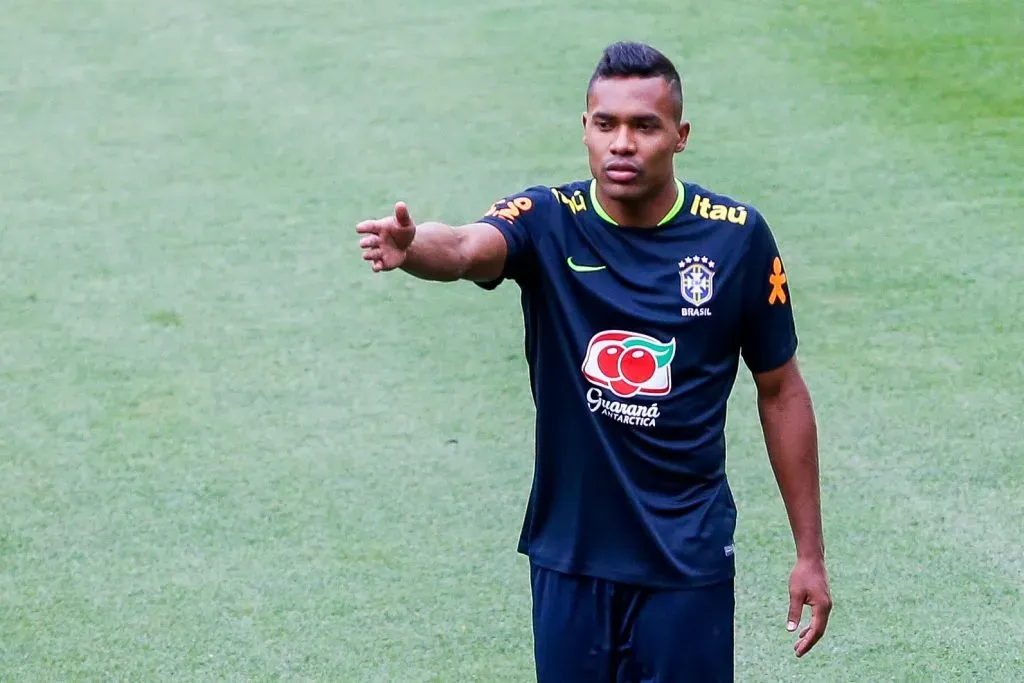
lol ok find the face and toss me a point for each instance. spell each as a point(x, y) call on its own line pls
point(632, 132)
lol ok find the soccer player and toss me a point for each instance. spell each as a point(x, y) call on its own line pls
point(640, 295)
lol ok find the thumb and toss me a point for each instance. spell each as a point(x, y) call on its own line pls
point(402, 215)
point(796, 608)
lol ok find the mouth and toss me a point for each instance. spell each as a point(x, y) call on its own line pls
point(621, 171)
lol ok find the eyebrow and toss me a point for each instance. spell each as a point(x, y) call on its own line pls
point(639, 118)
point(646, 119)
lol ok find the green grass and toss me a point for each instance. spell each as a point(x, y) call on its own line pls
point(228, 452)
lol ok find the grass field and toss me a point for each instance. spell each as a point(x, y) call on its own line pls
point(229, 452)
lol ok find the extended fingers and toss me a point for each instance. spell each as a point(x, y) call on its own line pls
point(371, 244)
point(373, 227)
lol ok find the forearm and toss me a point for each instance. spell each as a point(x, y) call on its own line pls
point(790, 434)
point(436, 254)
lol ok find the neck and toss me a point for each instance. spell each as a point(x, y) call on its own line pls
point(645, 212)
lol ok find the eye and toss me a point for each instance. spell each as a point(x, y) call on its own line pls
point(604, 125)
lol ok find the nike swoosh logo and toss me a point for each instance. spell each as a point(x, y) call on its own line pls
point(583, 269)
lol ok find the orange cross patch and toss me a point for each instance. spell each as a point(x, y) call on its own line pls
point(777, 279)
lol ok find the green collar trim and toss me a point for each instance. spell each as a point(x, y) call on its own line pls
point(672, 213)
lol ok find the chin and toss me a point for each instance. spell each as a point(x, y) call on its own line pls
point(628, 192)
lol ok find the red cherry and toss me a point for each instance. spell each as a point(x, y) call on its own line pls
point(608, 361)
point(623, 388)
point(637, 366)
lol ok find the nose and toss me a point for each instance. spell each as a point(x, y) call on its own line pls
point(623, 143)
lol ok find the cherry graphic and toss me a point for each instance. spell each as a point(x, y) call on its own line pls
point(608, 361)
point(623, 388)
point(637, 366)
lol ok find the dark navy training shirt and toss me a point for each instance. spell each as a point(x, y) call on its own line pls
point(633, 340)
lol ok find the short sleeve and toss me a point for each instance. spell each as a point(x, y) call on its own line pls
point(768, 335)
point(518, 217)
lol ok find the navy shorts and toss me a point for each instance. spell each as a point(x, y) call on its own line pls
point(594, 631)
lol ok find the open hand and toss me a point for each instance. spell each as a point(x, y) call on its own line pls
point(386, 240)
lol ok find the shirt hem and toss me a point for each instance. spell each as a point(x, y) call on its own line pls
point(644, 580)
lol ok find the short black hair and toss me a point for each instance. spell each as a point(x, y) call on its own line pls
point(627, 58)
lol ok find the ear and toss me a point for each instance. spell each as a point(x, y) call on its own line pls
point(584, 119)
point(684, 134)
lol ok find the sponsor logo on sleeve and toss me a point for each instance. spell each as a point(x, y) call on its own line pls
point(510, 209)
point(778, 281)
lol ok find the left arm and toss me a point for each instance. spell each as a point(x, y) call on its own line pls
point(790, 435)
point(791, 438)
point(787, 419)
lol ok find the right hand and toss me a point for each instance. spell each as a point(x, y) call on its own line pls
point(386, 240)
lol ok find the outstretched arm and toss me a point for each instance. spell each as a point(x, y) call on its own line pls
point(433, 251)
point(790, 434)
point(470, 252)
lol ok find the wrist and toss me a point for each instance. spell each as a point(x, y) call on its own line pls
point(408, 255)
point(811, 555)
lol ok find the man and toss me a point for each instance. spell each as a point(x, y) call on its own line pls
point(640, 295)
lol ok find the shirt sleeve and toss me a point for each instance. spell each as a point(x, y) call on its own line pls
point(518, 217)
point(768, 335)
